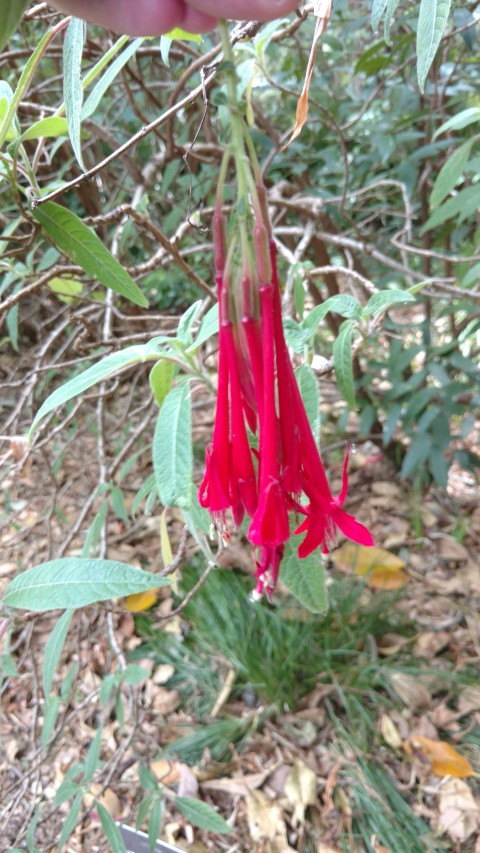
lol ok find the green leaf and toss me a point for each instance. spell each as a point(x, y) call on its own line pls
point(75, 582)
point(432, 20)
point(134, 674)
point(12, 326)
point(308, 385)
point(459, 121)
point(53, 649)
point(378, 10)
point(72, 83)
point(160, 379)
point(184, 331)
point(110, 828)
point(202, 815)
point(154, 823)
point(172, 448)
point(342, 304)
point(342, 362)
point(208, 328)
point(463, 204)
point(182, 35)
point(11, 12)
point(382, 300)
point(70, 821)
point(451, 172)
point(305, 578)
point(91, 761)
point(105, 368)
point(107, 79)
point(50, 716)
point(66, 790)
point(79, 243)
point(46, 127)
point(416, 453)
point(387, 23)
point(22, 85)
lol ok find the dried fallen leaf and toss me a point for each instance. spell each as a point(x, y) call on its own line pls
point(165, 701)
point(389, 731)
point(382, 568)
point(163, 673)
point(301, 790)
point(139, 601)
point(265, 822)
point(390, 643)
point(469, 700)
point(411, 690)
point(445, 760)
point(430, 643)
point(450, 549)
point(166, 771)
point(459, 810)
point(237, 785)
point(108, 799)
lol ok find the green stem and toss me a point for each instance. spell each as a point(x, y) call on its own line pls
point(236, 120)
point(27, 75)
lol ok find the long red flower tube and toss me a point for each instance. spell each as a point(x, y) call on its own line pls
point(263, 460)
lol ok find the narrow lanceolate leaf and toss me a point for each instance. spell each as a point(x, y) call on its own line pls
point(389, 12)
point(108, 366)
point(202, 815)
point(79, 243)
point(432, 21)
point(450, 173)
point(111, 830)
point(458, 122)
point(382, 300)
point(53, 649)
point(342, 362)
point(172, 449)
point(308, 385)
point(75, 582)
point(11, 12)
point(378, 11)
point(72, 83)
point(107, 78)
point(208, 327)
point(462, 205)
point(304, 577)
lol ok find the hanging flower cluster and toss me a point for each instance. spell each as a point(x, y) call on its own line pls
point(263, 459)
point(280, 473)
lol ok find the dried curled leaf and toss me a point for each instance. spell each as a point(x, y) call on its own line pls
point(382, 569)
point(322, 10)
point(445, 760)
point(140, 601)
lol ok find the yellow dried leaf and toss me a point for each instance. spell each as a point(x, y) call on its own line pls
point(387, 579)
point(108, 799)
point(389, 731)
point(443, 757)
point(382, 568)
point(139, 601)
point(166, 771)
point(301, 790)
point(322, 10)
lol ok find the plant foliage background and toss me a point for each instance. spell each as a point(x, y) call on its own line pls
point(375, 213)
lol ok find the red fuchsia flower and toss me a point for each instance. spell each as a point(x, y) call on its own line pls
point(257, 388)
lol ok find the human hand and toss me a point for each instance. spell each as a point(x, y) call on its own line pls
point(153, 17)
